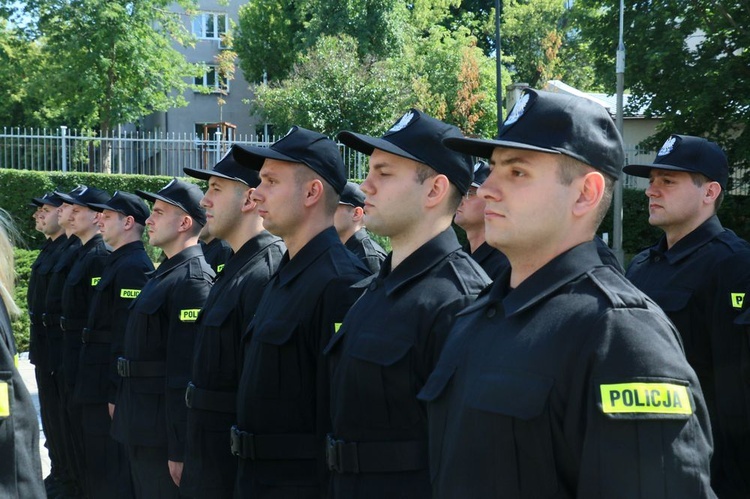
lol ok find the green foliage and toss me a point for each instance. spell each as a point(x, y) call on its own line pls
point(24, 259)
point(688, 62)
point(332, 90)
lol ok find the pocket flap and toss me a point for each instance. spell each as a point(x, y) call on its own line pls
point(379, 349)
point(672, 301)
point(436, 383)
point(215, 316)
point(275, 332)
point(518, 395)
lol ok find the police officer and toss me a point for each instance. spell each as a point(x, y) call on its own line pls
point(21, 469)
point(216, 251)
point(150, 412)
point(122, 222)
point(77, 293)
point(282, 397)
point(231, 214)
point(562, 379)
point(47, 221)
point(349, 223)
point(391, 338)
point(470, 217)
point(698, 272)
point(59, 437)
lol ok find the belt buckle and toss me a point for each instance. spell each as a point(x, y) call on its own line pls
point(85, 335)
point(123, 367)
point(44, 320)
point(63, 321)
point(243, 443)
point(333, 457)
point(189, 391)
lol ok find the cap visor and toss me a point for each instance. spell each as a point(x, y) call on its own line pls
point(644, 171)
point(65, 198)
point(366, 144)
point(484, 147)
point(207, 174)
point(101, 207)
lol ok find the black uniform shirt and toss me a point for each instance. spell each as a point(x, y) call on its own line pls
point(284, 383)
point(366, 249)
point(573, 384)
point(122, 279)
point(21, 469)
point(150, 410)
point(53, 300)
point(700, 283)
point(217, 253)
point(37, 296)
point(229, 308)
point(493, 261)
point(77, 293)
point(386, 349)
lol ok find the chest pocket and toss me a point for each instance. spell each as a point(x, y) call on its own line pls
point(690, 321)
point(383, 371)
point(218, 345)
point(513, 407)
point(278, 363)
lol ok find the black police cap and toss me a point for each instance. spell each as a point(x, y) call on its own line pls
point(299, 145)
point(352, 195)
point(126, 203)
point(481, 172)
point(49, 198)
point(184, 195)
point(419, 137)
point(556, 123)
point(686, 153)
point(233, 166)
point(69, 197)
point(88, 195)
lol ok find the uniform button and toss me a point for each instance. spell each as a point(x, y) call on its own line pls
point(491, 312)
point(657, 258)
point(373, 286)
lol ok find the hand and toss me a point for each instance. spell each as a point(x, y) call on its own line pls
point(111, 410)
point(175, 470)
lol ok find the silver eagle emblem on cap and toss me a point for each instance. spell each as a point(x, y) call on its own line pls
point(517, 110)
point(667, 147)
point(403, 122)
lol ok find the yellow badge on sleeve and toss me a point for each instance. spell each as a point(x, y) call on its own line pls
point(4, 400)
point(189, 315)
point(738, 299)
point(95, 281)
point(220, 267)
point(129, 293)
point(336, 327)
point(645, 398)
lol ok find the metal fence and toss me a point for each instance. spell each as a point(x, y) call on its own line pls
point(144, 153)
point(150, 153)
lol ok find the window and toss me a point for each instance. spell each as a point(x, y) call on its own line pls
point(210, 25)
point(213, 80)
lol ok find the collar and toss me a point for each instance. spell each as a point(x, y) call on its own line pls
point(291, 268)
point(180, 258)
point(419, 262)
point(483, 251)
point(356, 237)
point(128, 248)
point(95, 240)
point(558, 272)
point(689, 244)
point(249, 249)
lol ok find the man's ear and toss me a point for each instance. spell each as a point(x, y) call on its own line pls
point(358, 214)
point(247, 201)
point(439, 189)
point(590, 193)
point(713, 189)
point(313, 192)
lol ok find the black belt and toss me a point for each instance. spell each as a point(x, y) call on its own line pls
point(140, 369)
point(375, 457)
point(71, 324)
point(50, 320)
point(93, 336)
point(210, 400)
point(257, 447)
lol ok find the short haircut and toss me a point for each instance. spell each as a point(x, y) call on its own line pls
point(571, 169)
point(700, 180)
point(330, 196)
point(425, 172)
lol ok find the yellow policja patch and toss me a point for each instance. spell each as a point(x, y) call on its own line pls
point(189, 315)
point(645, 398)
point(4, 400)
point(129, 293)
point(95, 280)
point(738, 299)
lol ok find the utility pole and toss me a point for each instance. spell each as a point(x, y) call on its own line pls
point(620, 70)
point(499, 64)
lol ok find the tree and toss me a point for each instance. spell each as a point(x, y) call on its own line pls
point(110, 62)
point(331, 90)
point(687, 62)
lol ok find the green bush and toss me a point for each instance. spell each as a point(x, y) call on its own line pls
point(24, 259)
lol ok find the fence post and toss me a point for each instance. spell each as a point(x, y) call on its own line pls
point(64, 144)
point(218, 148)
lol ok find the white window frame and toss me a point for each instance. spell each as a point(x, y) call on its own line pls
point(215, 87)
point(200, 24)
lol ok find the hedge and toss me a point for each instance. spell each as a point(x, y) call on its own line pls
point(18, 187)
